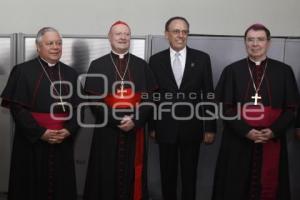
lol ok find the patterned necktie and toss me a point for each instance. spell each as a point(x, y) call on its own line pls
point(177, 69)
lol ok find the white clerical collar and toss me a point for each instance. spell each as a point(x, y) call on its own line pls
point(49, 64)
point(182, 52)
point(258, 62)
point(121, 55)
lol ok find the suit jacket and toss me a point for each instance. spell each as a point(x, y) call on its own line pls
point(196, 87)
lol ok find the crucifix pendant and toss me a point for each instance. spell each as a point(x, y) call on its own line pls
point(62, 104)
point(122, 91)
point(255, 97)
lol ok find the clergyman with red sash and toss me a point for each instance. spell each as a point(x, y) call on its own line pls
point(116, 83)
point(42, 97)
point(259, 97)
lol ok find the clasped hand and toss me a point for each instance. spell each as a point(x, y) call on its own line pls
point(126, 123)
point(55, 136)
point(260, 136)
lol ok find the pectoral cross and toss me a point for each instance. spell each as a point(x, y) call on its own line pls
point(62, 104)
point(255, 97)
point(122, 91)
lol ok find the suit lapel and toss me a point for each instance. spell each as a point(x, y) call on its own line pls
point(188, 66)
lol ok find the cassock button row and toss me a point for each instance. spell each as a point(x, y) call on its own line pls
point(121, 142)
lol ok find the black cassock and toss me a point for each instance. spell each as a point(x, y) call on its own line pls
point(117, 159)
point(40, 170)
point(242, 165)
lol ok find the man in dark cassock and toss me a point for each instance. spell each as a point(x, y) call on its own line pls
point(117, 164)
point(259, 97)
point(41, 95)
point(181, 70)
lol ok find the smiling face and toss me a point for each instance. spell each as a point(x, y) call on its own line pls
point(257, 44)
point(119, 37)
point(50, 47)
point(177, 34)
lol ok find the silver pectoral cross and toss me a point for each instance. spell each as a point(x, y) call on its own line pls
point(255, 97)
point(62, 104)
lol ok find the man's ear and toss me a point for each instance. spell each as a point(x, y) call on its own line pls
point(167, 35)
point(109, 36)
point(37, 47)
point(269, 43)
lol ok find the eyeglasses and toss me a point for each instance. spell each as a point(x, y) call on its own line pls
point(53, 43)
point(177, 32)
point(256, 40)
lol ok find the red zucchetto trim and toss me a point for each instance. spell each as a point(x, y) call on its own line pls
point(118, 23)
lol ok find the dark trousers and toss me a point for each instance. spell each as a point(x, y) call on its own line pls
point(169, 154)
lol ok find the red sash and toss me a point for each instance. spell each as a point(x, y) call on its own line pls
point(138, 164)
point(128, 97)
point(124, 100)
point(45, 120)
point(271, 153)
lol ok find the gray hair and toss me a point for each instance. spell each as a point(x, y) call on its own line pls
point(43, 31)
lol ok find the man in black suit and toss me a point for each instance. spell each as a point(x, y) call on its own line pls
point(184, 77)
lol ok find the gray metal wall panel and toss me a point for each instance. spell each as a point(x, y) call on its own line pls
point(7, 47)
point(292, 58)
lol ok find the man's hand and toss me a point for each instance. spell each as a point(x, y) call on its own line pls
point(126, 123)
point(208, 138)
point(55, 136)
point(62, 134)
point(152, 134)
point(49, 136)
point(261, 136)
point(254, 135)
point(267, 134)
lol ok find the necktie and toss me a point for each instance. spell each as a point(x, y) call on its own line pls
point(177, 69)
